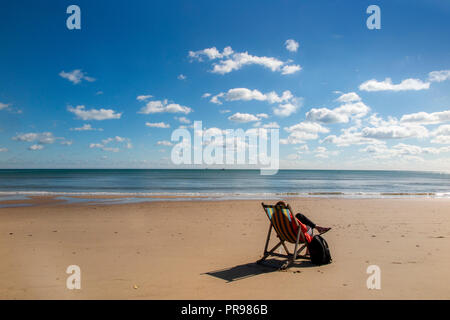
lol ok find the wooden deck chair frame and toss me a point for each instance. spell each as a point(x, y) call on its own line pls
point(291, 257)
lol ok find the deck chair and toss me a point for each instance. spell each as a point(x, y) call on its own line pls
point(288, 229)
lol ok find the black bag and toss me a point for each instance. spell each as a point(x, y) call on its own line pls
point(319, 251)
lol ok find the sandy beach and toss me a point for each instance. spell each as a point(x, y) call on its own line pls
point(208, 249)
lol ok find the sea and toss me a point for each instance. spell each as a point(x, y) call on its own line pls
point(227, 184)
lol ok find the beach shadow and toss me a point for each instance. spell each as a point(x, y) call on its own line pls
point(248, 270)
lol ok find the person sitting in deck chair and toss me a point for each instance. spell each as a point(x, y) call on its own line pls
point(306, 221)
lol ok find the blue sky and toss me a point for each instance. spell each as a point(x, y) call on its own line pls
point(69, 98)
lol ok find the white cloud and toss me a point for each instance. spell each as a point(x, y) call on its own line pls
point(211, 53)
point(298, 137)
point(28, 137)
point(239, 60)
point(377, 121)
point(262, 115)
point(395, 132)
point(164, 143)
point(41, 138)
point(310, 127)
point(302, 149)
point(94, 114)
point(7, 107)
point(243, 117)
point(289, 106)
point(230, 61)
point(206, 95)
point(158, 106)
point(36, 147)
point(157, 125)
point(349, 97)
point(114, 139)
point(225, 111)
point(111, 149)
point(402, 150)
point(290, 69)
point(86, 127)
point(426, 118)
point(387, 85)
point(341, 114)
point(406, 149)
point(354, 110)
point(303, 131)
point(350, 137)
point(407, 84)
point(271, 125)
point(326, 115)
point(441, 135)
point(381, 130)
point(181, 77)
point(322, 152)
point(67, 142)
point(144, 97)
point(245, 94)
point(285, 110)
point(439, 76)
point(291, 45)
point(183, 120)
point(442, 130)
point(441, 139)
point(75, 76)
point(215, 99)
point(105, 144)
point(46, 138)
point(3, 149)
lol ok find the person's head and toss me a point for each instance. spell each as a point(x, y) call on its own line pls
point(281, 203)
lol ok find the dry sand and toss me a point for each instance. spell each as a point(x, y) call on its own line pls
point(208, 249)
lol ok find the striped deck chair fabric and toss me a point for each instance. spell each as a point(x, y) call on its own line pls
point(288, 229)
point(284, 223)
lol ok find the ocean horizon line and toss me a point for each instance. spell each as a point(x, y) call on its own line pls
point(236, 169)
